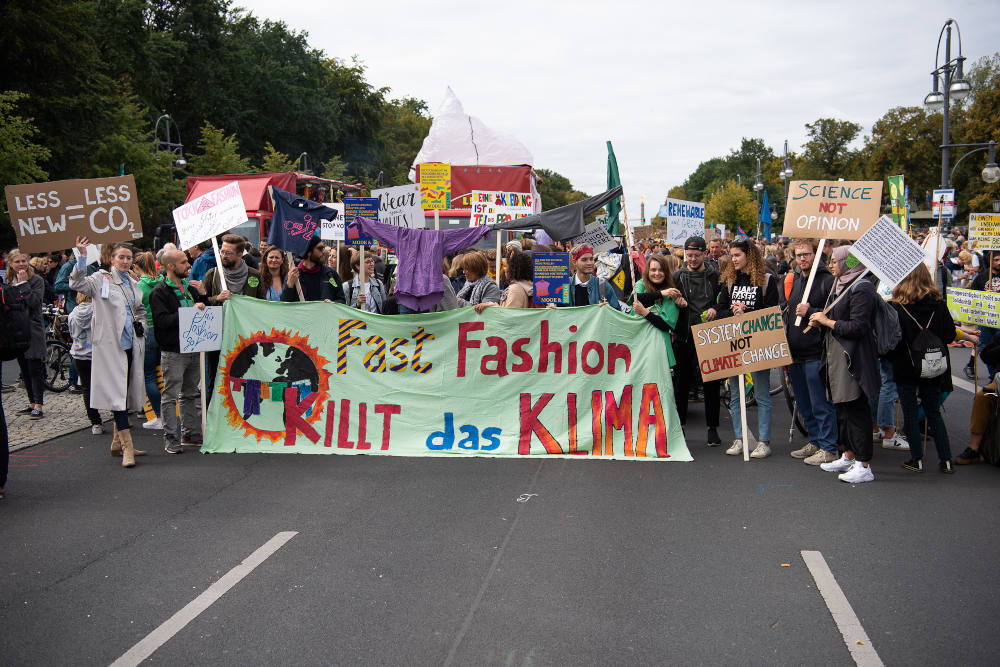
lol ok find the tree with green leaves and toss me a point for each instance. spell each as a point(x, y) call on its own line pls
point(219, 153)
point(828, 154)
point(732, 205)
point(556, 190)
point(20, 156)
point(275, 160)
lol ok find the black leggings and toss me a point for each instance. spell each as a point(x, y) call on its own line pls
point(121, 416)
point(33, 374)
point(854, 424)
point(83, 371)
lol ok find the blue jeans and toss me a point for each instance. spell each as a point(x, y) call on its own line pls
point(986, 336)
point(819, 413)
point(150, 363)
point(884, 412)
point(761, 390)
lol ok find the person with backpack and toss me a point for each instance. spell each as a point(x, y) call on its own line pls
point(31, 288)
point(920, 363)
point(850, 364)
point(806, 348)
point(747, 286)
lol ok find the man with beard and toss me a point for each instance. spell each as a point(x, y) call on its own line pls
point(319, 282)
point(180, 371)
point(241, 278)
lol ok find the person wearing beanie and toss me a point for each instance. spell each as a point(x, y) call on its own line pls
point(318, 281)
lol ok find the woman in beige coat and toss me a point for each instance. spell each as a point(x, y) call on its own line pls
point(117, 384)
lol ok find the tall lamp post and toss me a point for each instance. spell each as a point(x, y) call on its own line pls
point(955, 87)
point(786, 172)
point(302, 163)
point(168, 144)
point(757, 187)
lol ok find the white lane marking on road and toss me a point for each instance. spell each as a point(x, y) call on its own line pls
point(847, 621)
point(176, 623)
point(963, 384)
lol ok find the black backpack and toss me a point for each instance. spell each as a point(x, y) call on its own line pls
point(927, 352)
point(15, 324)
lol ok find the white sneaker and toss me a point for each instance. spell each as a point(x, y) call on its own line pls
point(857, 474)
point(761, 451)
point(154, 424)
point(736, 448)
point(97, 429)
point(876, 436)
point(843, 464)
point(896, 442)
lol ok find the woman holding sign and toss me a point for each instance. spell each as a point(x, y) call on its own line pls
point(119, 337)
point(747, 286)
point(850, 363)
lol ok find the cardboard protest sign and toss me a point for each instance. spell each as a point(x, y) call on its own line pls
point(974, 307)
point(49, 216)
point(552, 278)
point(712, 234)
point(400, 206)
point(200, 330)
point(684, 219)
point(510, 382)
point(361, 207)
point(213, 213)
point(596, 237)
point(831, 209)
point(888, 252)
point(490, 207)
point(754, 341)
point(435, 185)
point(332, 229)
point(984, 231)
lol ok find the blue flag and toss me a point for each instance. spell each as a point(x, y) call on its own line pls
point(765, 217)
point(296, 221)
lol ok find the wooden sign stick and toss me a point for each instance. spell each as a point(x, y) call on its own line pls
point(627, 255)
point(363, 273)
point(499, 234)
point(204, 401)
point(437, 220)
point(743, 416)
point(842, 295)
point(218, 264)
point(812, 277)
point(298, 285)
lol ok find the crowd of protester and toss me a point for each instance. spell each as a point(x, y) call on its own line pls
point(123, 318)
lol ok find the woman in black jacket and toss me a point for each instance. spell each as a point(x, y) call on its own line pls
point(746, 286)
point(920, 307)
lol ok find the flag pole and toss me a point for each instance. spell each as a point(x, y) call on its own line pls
point(627, 255)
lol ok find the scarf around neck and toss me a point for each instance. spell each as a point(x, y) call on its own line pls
point(237, 278)
point(847, 275)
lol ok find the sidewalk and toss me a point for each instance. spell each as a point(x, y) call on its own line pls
point(64, 413)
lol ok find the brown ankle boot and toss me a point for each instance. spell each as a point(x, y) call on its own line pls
point(116, 445)
point(128, 451)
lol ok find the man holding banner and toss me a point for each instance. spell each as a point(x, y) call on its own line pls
point(318, 281)
point(180, 371)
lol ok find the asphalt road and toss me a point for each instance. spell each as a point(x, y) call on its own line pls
point(485, 561)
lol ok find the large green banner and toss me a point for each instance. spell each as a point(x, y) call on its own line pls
point(320, 378)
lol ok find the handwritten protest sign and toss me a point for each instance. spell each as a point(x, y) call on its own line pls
point(400, 206)
point(200, 330)
point(435, 185)
point(974, 307)
point(510, 382)
point(551, 277)
point(888, 252)
point(984, 231)
point(363, 207)
point(333, 229)
point(597, 237)
point(684, 219)
point(754, 341)
point(211, 214)
point(49, 216)
point(831, 209)
point(490, 207)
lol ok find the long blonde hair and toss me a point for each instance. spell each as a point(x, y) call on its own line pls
point(914, 287)
point(15, 252)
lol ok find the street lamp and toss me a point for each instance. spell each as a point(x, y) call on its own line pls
point(786, 171)
point(757, 187)
point(955, 86)
point(302, 163)
point(168, 144)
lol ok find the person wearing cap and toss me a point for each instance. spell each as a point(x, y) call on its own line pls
point(699, 286)
point(585, 288)
point(319, 282)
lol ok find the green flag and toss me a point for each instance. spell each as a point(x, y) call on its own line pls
point(615, 205)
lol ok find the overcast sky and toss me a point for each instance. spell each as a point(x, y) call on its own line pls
point(670, 84)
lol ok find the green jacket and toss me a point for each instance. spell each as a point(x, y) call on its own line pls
point(146, 285)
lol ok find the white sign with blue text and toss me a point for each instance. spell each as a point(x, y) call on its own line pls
point(200, 330)
point(684, 219)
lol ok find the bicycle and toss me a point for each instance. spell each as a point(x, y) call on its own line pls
point(781, 383)
point(57, 343)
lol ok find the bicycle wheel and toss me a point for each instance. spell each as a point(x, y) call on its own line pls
point(57, 362)
point(786, 386)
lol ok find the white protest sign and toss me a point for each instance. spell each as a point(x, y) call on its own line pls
point(400, 206)
point(597, 237)
point(933, 245)
point(200, 330)
point(333, 229)
point(209, 215)
point(684, 219)
point(490, 207)
point(888, 252)
point(93, 253)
